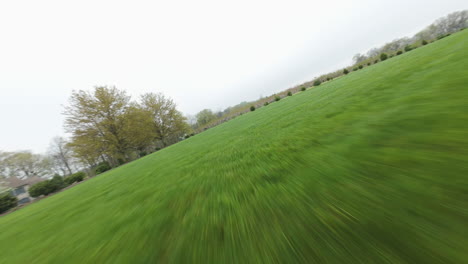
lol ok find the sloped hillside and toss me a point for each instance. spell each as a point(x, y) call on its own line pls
point(369, 168)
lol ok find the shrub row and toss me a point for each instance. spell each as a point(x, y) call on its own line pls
point(76, 177)
point(47, 187)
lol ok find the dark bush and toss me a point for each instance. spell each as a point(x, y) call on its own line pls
point(76, 177)
point(383, 56)
point(289, 93)
point(345, 71)
point(424, 42)
point(57, 183)
point(303, 88)
point(7, 201)
point(47, 187)
point(252, 108)
point(355, 68)
point(408, 48)
point(360, 66)
point(368, 64)
point(102, 167)
point(317, 82)
point(266, 103)
point(399, 52)
point(391, 56)
point(376, 61)
point(277, 98)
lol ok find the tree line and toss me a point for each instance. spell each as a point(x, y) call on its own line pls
point(108, 128)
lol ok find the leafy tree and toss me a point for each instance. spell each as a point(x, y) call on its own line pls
point(96, 122)
point(24, 164)
point(205, 116)
point(167, 120)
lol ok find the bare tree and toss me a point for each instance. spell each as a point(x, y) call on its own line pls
point(62, 155)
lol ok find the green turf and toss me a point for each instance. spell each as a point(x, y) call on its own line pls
point(369, 168)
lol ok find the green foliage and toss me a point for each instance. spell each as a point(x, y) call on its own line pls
point(368, 64)
point(355, 68)
point(408, 48)
point(376, 61)
point(303, 88)
point(266, 103)
point(383, 56)
point(399, 52)
point(289, 93)
point(277, 98)
point(47, 187)
point(102, 167)
point(424, 42)
point(7, 201)
point(252, 108)
point(360, 67)
point(345, 71)
point(317, 82)
point(76, 177)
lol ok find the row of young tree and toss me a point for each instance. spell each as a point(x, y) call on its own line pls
point(443, 26)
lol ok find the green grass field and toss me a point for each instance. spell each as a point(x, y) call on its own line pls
point(368, 168)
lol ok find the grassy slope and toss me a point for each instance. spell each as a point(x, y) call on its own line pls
point(368, 168)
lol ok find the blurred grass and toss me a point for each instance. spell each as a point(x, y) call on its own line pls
point(369, 168)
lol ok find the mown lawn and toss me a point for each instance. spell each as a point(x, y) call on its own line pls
point(369, 168)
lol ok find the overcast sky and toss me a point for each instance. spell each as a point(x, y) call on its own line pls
point(203, 54)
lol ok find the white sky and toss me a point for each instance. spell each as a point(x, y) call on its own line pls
point(203, 54)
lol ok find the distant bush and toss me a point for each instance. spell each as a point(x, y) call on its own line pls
point(345, 71)
point(391, 56)
point(266, 103)
point(408, 48)
point(289, 93)
point(102, 167)
point(303, 88)
point(277, 98)
point(317, 82)
point(383, 56)
point(443, 36)
point(360, 66)
point(57, 183)
point(47, 187)
point(7, 201)
point(399, 52)
point(252, 108)
point(376, 61)
point(76, 177)
point(355, 68)
point(424, 42)
point(368, 64)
